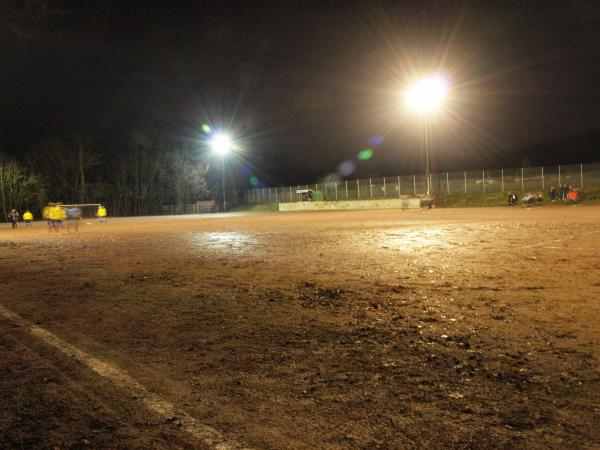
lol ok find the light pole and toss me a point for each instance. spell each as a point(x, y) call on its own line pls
point(221, 145)
point(424, 98)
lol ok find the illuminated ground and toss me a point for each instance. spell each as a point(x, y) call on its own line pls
point(375, 329)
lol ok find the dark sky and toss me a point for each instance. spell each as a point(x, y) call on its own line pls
point(306, 85)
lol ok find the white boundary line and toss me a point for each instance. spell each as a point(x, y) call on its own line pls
point(119, 377)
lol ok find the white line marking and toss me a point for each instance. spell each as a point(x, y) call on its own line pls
point(118, 376)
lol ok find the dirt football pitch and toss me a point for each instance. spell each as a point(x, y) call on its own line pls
point(459, 328)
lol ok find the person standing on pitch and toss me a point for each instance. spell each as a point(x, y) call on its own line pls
point(101, 213)
point(14, 218)
point(73, 217)
point(28, 218)
point(56, 216)
point(46, 216)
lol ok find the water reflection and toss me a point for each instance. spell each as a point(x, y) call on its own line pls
point(411, 239)
point(225, 241)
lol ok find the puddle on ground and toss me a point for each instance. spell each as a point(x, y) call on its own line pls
point(225, 241)
point(412, 239)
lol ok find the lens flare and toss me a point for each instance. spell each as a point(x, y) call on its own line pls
point(221, 144)
point(427, 94)
point(363, 155)
point(347, 168)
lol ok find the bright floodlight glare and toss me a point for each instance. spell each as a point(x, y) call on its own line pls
point(427, 95)
point(221, 144)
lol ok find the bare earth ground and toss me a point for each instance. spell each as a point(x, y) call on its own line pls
point(462, 328)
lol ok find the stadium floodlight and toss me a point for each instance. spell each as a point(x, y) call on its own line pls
point(221, 144)
point(423, 98)
point(426, 95)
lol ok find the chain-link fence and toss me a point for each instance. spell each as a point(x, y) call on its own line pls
point(524, 179)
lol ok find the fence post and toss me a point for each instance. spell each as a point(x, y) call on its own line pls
point(559, 183)
point(415, 184)
point(465, 181)
point(398, 186)
point(581, 173)
point(371, 187)
point(502, 175)
point(447, 183)
point(522, 181)
point(291, 196)
point(543, 186)
point(384, 191)
point(346, 189)
point(336, 194)
point(483, 180)
point(276, 196)
point(325, 198)
point(357, 190)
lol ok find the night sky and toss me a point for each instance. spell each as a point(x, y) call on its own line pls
point(307, 85)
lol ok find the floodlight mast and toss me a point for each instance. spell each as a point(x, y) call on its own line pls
point(424, 98)
point(221, 145)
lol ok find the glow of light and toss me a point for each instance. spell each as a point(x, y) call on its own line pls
point(206, 128)
point(220, 144)
point(253, 181)
point(363, 155)
point(427, 95)
point(347, 168)
point(376, 140)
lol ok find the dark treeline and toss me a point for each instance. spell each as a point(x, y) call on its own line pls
point(132, 174)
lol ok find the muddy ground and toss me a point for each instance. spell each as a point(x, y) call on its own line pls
point(460, 328)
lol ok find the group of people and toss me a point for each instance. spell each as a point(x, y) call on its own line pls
point(565, 193)
point(13, 217)
point(55, 214)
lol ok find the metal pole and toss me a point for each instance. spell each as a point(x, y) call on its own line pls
point(223, 179)
point(371, 187)
point(559, 183)
point(522, 181)
point(357, 190)
point(581, 173)
point(543, 187)
point(502, 175)
point(384, 192)
point(398, 185)
point(336, 194)
point(325, 198)
point(465, 181)
point(447, 183)
point(346, 189)
point(483, 180)
point(415, 184)
point(427, 156)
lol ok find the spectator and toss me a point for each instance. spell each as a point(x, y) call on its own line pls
point(573, 196)
point(14, 217)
